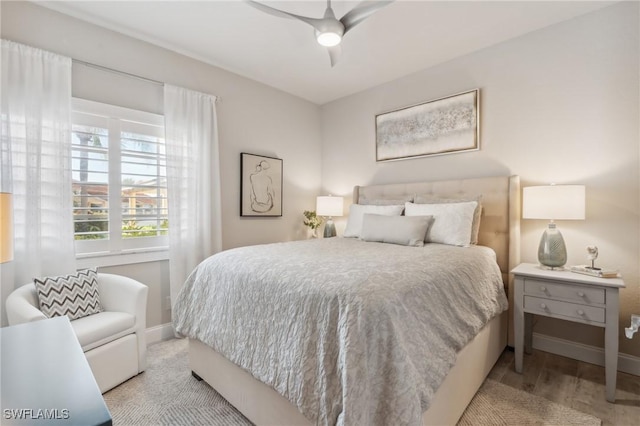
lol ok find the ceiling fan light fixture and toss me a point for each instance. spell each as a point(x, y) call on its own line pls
point(328, 38)
point(329, 30)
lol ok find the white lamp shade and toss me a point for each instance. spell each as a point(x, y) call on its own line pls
point(555, 202)
point(6, 229)
point(329, 206)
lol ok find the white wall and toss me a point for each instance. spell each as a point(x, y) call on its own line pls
point(557, 105)
point(252, 117)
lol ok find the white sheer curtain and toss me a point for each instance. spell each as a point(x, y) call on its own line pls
point(193, 181)
point(36, 159)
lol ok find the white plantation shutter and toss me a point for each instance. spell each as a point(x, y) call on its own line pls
point(144, 183)
point(90, 174)
point(119, 179)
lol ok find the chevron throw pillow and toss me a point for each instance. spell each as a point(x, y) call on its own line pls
point(74, 295)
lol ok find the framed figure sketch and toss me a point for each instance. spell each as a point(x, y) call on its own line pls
point(260, 185)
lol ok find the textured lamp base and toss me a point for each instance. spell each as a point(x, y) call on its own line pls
point(329, 229)
point(552, 252)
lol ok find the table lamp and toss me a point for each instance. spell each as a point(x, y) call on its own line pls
point(553, 202)
point(329, 206)
point(6, 231)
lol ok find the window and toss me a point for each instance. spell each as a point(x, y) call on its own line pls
point(119, 179)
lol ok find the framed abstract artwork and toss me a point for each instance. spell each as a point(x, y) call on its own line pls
point(260, 185)
point(440, 126)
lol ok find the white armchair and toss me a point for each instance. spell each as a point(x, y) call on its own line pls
point(114, 340)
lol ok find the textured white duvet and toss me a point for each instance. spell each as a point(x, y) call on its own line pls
point(351, 332)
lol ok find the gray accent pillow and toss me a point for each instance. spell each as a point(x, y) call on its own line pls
point(403, 230)
point(75, 295)
point(477, 214)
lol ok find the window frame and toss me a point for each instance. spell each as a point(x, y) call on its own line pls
point(117, 250)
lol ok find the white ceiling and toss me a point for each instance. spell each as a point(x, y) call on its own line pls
point(402, 38)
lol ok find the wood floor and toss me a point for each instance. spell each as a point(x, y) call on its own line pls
point(574, 384)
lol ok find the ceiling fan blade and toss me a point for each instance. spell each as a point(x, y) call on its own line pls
point(362, 11)
point(334, 54)
point(282, 14)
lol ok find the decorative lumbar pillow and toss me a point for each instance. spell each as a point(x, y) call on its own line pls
point(451, 222)
point(477, 214)
point(74, 295)
point(403, 230)
point(357, 211)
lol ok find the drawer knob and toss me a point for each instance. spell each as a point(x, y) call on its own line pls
point(543, 289)
point(580, 312)
point(581, 294)
point(543, 306)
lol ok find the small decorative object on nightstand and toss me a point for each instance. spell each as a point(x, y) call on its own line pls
point(329, 206)
point(554, 202)
point(592, 255)
point(570, 297)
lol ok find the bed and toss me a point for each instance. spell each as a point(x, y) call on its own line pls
point(387, 382)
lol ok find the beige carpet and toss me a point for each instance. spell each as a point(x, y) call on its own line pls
point(167, 394)
point(498, 404)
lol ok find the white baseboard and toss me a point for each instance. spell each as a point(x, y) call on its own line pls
point(626, 363)
point(159, 333)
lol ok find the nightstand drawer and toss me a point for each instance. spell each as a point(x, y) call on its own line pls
point(580, 294)
point(582, 313)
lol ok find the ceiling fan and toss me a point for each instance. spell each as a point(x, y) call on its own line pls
point(329, 30)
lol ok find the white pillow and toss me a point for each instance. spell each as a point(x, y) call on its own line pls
point(403, 230)
point(433, 199)
point(451, 222)
point(357, 211)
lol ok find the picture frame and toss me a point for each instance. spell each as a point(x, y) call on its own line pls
point(260, 186)
point(440, 126)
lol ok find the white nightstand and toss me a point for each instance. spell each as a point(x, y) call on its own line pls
point(568, 296)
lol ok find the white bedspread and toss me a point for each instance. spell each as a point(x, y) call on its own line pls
point(351, 332)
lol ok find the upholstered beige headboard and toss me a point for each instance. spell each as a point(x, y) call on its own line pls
point(500, 222)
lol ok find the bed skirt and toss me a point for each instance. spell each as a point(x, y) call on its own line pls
point(264, 406)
